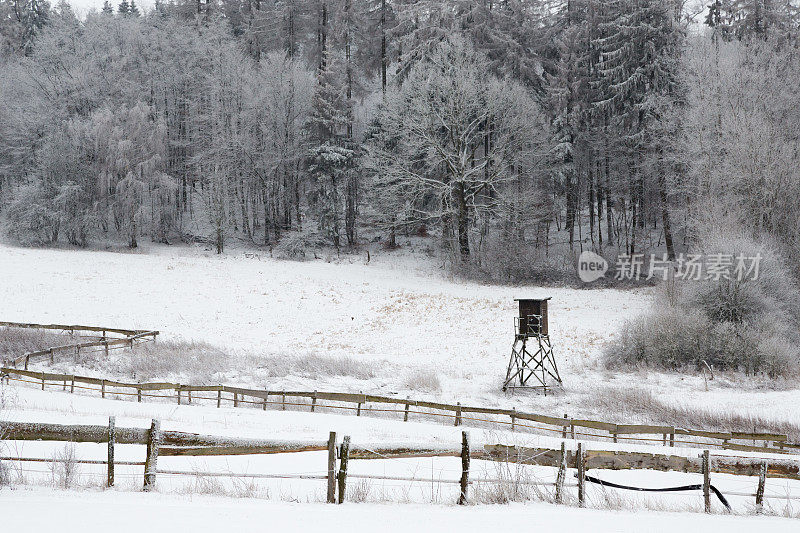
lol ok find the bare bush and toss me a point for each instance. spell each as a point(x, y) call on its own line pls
point(747, 323)
point(163, 359)
point(5, 475)
point(423, 380)
point(360, 491)
point(64, 467)
point(514, 483)
point(300, 246)
point(681, 339)
point(508, 261)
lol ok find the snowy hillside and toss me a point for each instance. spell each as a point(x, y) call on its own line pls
point(382, 327)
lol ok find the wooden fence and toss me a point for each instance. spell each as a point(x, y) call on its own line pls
point(457, 414)
point(406, 409)
point(162, 443)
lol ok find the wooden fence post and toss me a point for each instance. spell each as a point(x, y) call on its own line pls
point(42, 380)
point(314, 402)
point(458, 415)
point(236, 399)
point(462, 499)
point(344, 455)
point(332, 467)
point(102, 388)
point(27, 357)
point(672, 439)
point(762, 481)
point(219, 397)
point(564, 429)
point(408, 403)
point(189, 396)
point(581, 466)
point(111, 439)
point(150, 463)
point(707, 481)
point(562, 473)
point(264, 404)
point(513, 418)
point(139, 394)
point(72, 385)
point(283, 402)
point(179, 395)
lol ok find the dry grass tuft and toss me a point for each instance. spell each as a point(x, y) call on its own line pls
point(18, 341)
point(514, 483)
point(423, 380)
point(640, 405)
point(64, 467)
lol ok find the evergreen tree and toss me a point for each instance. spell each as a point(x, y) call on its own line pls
point(124, 8)
point(107, 9)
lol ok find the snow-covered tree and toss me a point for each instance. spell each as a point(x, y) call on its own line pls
point(426, 151)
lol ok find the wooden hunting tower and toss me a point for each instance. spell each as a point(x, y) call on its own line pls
point(537, 363)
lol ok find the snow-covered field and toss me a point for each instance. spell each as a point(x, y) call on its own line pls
point(22, 511)
point(399, 315)
point(178, 495)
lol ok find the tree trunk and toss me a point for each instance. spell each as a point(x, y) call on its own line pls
point(462, 220)
point(662, 190)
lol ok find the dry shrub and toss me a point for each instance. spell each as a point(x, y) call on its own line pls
point(511, 261)
point(18, 341)
point(747, 325)
point(5, 475)
point(514, 484)
point(64, 467)
point(680, 339)
point(360, 491)
point(423, 380)
point(300, 246)
point(163, 359)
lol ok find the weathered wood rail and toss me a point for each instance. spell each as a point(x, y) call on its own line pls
point(130, 337)
point(460, 414)
point(161, 443)
point(368, 403)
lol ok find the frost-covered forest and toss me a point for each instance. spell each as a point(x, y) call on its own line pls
point(514, 132)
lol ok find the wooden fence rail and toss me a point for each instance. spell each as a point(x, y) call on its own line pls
point(405, 407)
point(176, 443)
point(460, 414)
point(72, 328)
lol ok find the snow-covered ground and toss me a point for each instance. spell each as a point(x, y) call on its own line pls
point(22, 511)
point(399, 315)
point(28, 404)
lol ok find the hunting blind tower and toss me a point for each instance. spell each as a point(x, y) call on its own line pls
point(535, 361)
